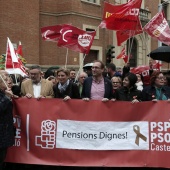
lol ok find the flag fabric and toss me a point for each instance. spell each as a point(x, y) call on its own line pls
point(76, 39)
point(19, 53)
point(122, 54)
point(125, 35)
point(13, 65)
point(158, 28)
point(125, 58)
point(122, 17)
point(10, 51)
point(51, 33)
point(19, 50)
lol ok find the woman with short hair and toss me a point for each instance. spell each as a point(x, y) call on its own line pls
point(157, 90)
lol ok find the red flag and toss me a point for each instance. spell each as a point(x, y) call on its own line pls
point(122, 54)
point(19, 50)
point(122, 17)
point(13, 64)
point(125, 58)
point(139, 69)
point(158, 28)
point(76, 39)
point(125, 35)
point(157, 65)
point(51, 33)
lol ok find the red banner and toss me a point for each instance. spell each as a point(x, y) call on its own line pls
point(43, 138)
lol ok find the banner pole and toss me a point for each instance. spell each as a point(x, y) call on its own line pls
point(66, 59)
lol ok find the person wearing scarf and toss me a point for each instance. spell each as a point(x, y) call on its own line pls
point(65, 88)
point(157, 90)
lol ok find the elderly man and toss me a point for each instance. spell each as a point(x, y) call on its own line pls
point(36, 86)
point(97, 87)
point(81, 79)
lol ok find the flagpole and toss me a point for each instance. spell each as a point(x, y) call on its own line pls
point(80, 67)
point(66, 59)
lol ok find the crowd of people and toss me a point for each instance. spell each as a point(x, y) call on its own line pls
point(103, 83)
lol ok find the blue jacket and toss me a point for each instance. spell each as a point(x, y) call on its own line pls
point(86, 92)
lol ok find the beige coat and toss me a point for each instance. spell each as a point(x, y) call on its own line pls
point(46, 88)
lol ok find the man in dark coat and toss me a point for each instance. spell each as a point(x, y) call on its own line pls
point(97, 87)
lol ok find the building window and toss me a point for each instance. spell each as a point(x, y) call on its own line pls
point(91, 28)
point(92, 1)
point(132, 51)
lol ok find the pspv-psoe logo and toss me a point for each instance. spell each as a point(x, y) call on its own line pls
point(48, 135)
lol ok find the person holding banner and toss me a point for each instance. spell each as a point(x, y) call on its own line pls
point(65, 88)
point(97, 87)
point(157, 90)
point(129, 91)
point(6, 121)
point(37, 87)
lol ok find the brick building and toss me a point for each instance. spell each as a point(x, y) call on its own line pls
point(22, 21)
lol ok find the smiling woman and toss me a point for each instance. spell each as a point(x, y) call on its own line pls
point(65, 88)
point(157, 90)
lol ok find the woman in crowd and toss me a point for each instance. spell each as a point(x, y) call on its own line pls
point(6, 121)
point(139, 82)
point(157, 90)
point(65, 88)
point(129, 91)
point(116, 83)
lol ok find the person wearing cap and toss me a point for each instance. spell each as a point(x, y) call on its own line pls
point(129, 91)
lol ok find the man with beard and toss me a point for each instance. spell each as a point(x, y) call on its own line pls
point(111, 71)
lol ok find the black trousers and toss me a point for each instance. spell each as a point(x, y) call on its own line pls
point(3, 152)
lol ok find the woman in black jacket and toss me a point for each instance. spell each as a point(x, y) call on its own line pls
point(129, 90)
point(65, 88)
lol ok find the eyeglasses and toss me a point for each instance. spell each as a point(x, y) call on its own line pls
point(115, 82)
point(82, 77)
point(161, 78)
point(95, 68)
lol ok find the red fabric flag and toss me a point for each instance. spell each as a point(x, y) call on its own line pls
point(13, 64)
point(51, 33)
point(122, 54)
point(157, 65)
point(122, 17)
point(139, 69)
point(125, 35)
point(125, 58)
point(158, 28)
point(19, 50)
point(76, 39)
